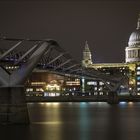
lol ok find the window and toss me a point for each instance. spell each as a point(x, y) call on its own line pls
point(138, 83)
point(95, 88)
point(136, 53)
point(138, 89)
point(29, 89)
point(92, 83)
point(101, 88)
point(100, 93)
point(138, 68)
point(129, 54)
point(95, 93)
point(101, 83)
point(138, 72)
point(138, 78)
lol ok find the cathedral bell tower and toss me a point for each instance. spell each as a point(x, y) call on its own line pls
point(87, 58)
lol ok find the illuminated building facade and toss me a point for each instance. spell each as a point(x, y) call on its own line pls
point(130, 68)
point(72, 86)
point(47, 84)
point(97, 87)
point(44, 84)
point(50, 85)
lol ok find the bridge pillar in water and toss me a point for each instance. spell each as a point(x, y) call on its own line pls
point(113, 97)
point(13, 107)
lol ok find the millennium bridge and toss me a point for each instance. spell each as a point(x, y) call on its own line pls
point(47, 54)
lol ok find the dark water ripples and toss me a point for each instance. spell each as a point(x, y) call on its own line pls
point(78, 121)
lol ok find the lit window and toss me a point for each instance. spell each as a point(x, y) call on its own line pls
point(39, 89)
point(46, 94)
point(138, 78)
point(138, 83)
point(51, 94)
point(38, 83)
point(101, 88)
point(95, 93)
point(138, 89)
point(108, 82)
point(57, 94)
point(29, 89)
point(138, 68)
point(92, 83)
point(52, 87)
point(101, 83)
point(70, 83)
point(95, 88)
point(100, 93)
point(138, 72)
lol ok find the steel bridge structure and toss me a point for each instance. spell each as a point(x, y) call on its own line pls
point(30, 54)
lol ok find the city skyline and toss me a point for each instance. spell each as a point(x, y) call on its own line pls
point(105, 25)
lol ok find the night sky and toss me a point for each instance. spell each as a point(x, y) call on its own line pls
point(106, 25)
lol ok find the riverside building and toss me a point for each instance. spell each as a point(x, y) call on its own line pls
point(131, 67)
point(47, 84)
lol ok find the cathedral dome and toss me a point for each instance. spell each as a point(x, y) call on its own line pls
point(134, 39)
point(132, 52)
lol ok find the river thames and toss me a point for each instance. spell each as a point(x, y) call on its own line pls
point(77, 121)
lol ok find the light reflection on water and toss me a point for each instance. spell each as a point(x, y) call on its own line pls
point(78, 121)
point(52, 123)
point(84, 121)
point(48, 120)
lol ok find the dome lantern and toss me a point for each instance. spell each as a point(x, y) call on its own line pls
point(138, 23)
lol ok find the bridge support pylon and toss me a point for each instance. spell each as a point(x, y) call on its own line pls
point(113, 97)
point(13, 107)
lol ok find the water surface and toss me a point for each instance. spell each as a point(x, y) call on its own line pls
point(78, 121)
